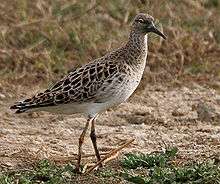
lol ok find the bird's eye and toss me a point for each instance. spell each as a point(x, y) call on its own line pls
point(141, 21)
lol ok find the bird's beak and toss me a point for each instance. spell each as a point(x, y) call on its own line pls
point(156, 31)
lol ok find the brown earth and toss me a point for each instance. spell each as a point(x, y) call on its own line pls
point(157, 117)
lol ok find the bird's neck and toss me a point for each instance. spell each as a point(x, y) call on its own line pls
point(137, 46)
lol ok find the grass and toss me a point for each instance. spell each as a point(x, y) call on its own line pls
point(49, 38)
point(44, 171)
point(161, 168)
point(194, 173)
point(135, 168)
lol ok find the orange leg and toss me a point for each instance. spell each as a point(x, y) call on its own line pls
point(93, 138)
point(81, 140)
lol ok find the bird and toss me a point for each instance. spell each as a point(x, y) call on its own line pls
point(98, 85)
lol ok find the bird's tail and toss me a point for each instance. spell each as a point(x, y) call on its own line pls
point(37, 101)
point(21, 106)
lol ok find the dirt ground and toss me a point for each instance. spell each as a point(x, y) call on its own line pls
point(157, 117)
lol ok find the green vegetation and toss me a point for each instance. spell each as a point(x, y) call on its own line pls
point(45, 172)
point(160, 168)
point(133, 161)
point(136, 168)
point(206, 173)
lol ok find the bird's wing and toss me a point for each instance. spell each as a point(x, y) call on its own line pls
point(85, 84)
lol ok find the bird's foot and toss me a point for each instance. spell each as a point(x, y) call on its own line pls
point(110, 156)
point(91, 165)
point(78, 170)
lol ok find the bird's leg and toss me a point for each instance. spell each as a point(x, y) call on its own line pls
point(81, 140)
point(93, 138)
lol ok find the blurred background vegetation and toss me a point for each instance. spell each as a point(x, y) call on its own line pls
point(41, 40)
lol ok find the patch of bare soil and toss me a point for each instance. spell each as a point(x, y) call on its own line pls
point(188, 118)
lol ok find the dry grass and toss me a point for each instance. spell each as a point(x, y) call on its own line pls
point(48, 38)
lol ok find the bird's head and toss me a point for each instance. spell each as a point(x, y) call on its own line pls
point(144, 24)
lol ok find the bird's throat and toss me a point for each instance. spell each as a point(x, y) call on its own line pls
point(137, 46)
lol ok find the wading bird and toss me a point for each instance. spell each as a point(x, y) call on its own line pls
point(100, 84)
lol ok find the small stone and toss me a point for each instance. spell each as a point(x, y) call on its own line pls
point(207, 112)
point(178, 112)
point(2, 96)
point(66, 174)
point(218, 100)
